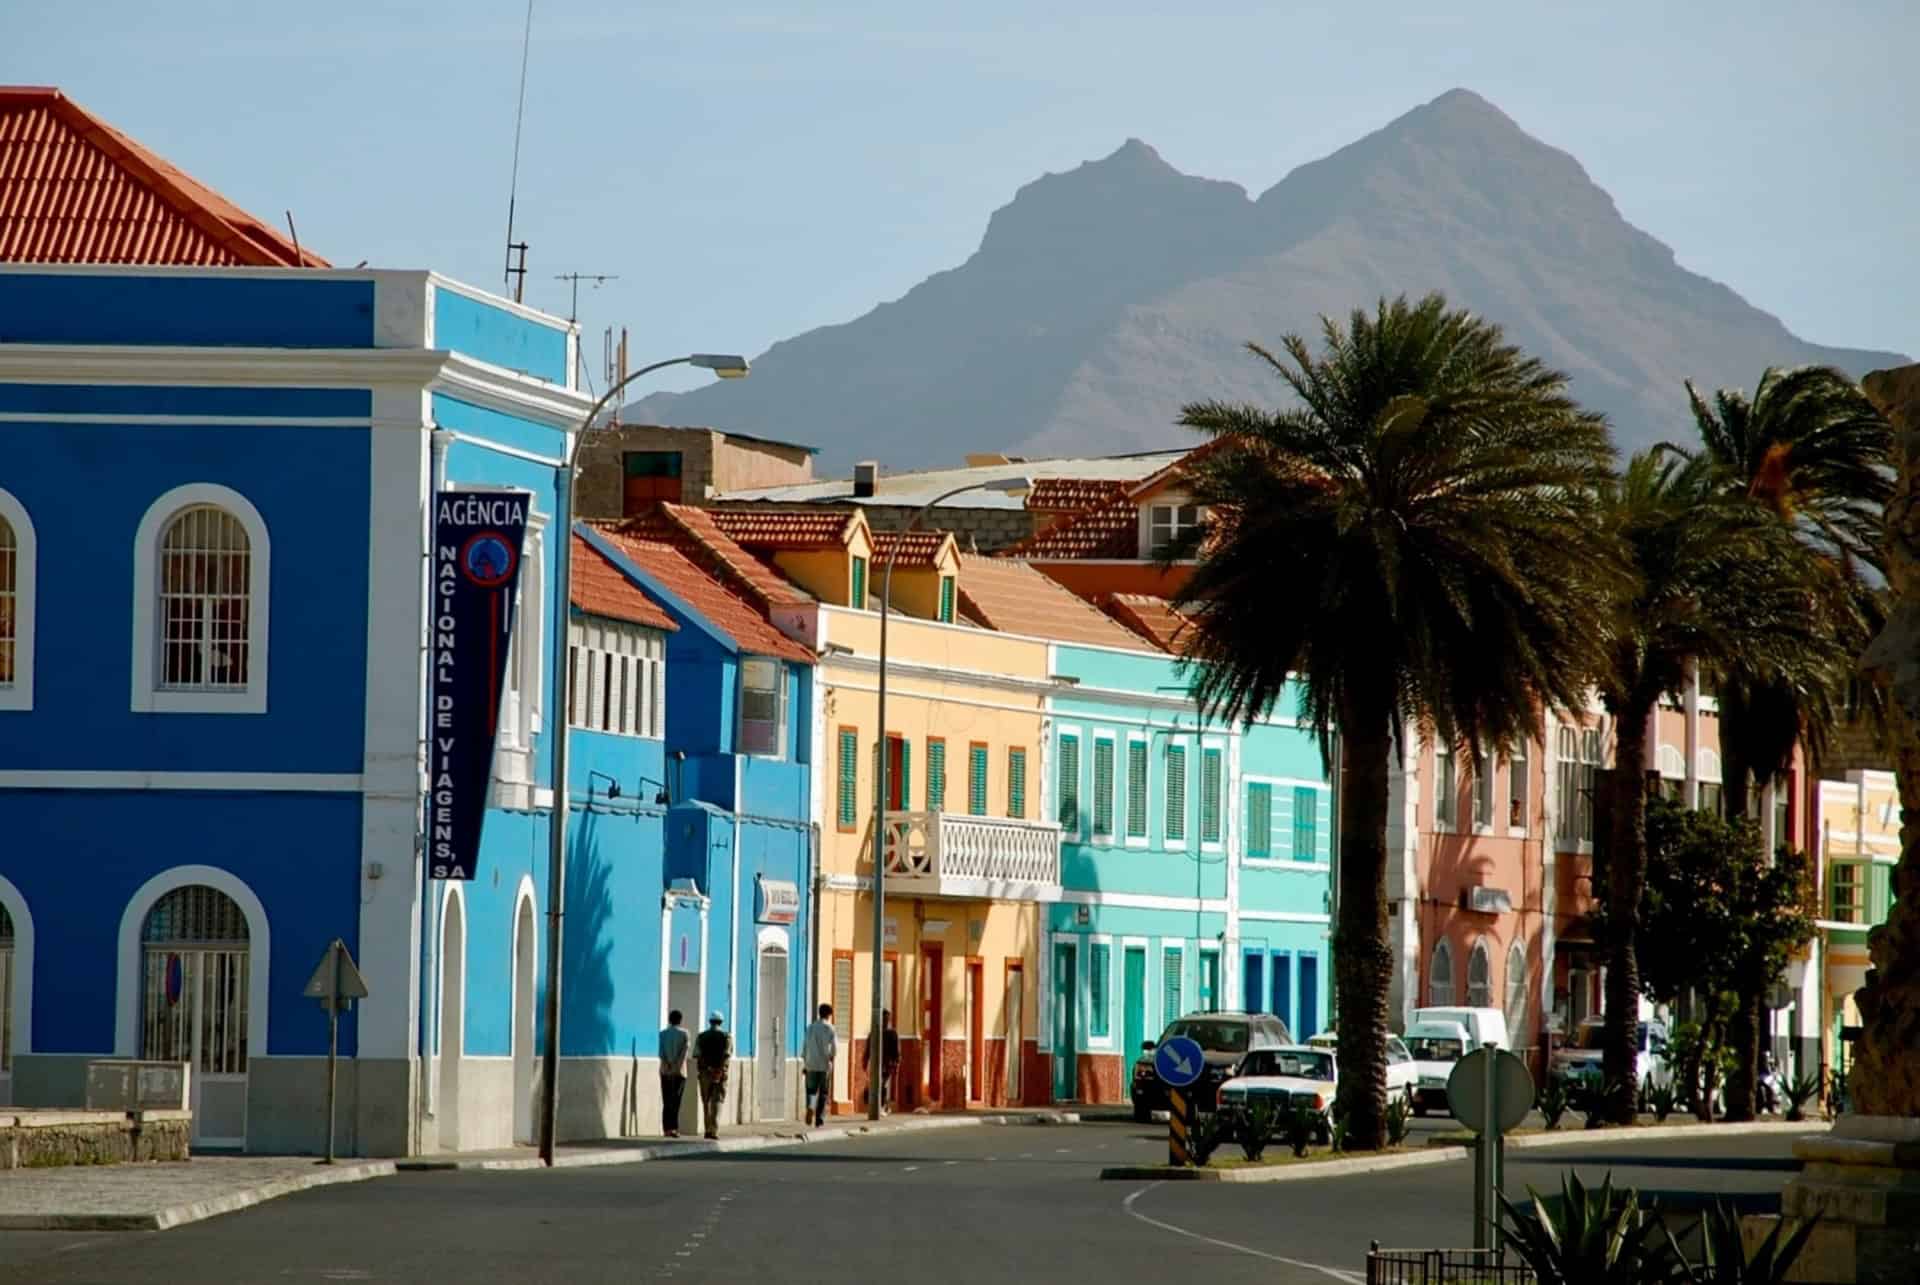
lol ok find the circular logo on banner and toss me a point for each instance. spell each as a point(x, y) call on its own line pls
point(487, 559)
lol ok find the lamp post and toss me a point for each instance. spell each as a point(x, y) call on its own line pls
point(726, 367)
point(875, 1062)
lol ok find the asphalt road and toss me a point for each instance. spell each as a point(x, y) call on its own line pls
point(1013, 1203)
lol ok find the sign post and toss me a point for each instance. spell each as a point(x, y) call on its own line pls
point(336, 983)
point(1179, 1062)
point(1490, 1091)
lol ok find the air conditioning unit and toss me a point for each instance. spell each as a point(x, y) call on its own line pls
point(1486, 901)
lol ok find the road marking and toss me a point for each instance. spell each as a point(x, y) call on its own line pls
point(1339, 1274)
point(910, 1168)
point(949, 1162)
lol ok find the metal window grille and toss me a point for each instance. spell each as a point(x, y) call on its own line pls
point(1479, 977)
point(206, 600)
point(1443, 1267)
point(1440, 977)
point(194, 995)
point(1102, 786)
point(9, 602)
point(6, 990)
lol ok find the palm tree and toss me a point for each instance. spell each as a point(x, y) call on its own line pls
point(1709, 591)
point(1415, 541)
point(1810, 449)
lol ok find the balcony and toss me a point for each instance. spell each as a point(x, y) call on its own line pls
point(939, 854)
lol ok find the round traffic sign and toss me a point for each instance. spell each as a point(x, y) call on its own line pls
point(1179, 1061)
point(1467, 1089)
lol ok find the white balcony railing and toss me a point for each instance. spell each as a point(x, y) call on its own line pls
point(941, 854)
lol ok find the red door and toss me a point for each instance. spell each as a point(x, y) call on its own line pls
point(976, 1031)
point(932, 980)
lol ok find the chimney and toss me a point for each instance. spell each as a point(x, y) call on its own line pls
point(866, 478)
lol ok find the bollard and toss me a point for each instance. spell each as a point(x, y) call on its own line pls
point(1179, 1153)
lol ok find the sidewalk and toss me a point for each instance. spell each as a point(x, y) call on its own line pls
point(155, 1197)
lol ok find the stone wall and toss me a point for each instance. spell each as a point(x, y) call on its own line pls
point(50, 1139)
point(976, 530)
point(711, 462)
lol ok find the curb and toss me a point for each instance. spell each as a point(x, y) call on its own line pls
point(1443, 1153)
point(704, 1147)
point(195, 1211)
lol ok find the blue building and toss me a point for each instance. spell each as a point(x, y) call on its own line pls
point(1195, 866)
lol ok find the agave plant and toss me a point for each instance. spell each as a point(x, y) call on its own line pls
point(1206, 1134)
point(1799, 1091)
point(1590, 1236)
point(1255, 1127)
point(1556, 1095)
point(1301, 1126)
point(1723, 1254)
point(1399, 1121)
point(1662, 1098)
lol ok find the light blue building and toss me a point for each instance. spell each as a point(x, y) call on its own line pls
point(1195, 866)
point(214, 508)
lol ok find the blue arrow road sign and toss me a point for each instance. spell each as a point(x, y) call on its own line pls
point(1179, 1061)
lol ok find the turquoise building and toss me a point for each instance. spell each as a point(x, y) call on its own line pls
point(1195, 866)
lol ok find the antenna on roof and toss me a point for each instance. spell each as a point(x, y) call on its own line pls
point(513, 184)
point(598, 279)
point(299, 259)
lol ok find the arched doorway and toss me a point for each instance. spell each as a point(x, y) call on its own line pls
point(770, 1028)
point(523, 1018)
point(6, 1006)
point(453, 1001)
point(196, 960)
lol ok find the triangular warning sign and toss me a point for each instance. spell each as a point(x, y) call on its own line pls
point(336, 979)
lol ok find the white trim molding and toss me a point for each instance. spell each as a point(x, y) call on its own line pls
point(18, 694)
point(16, 907)
point(266, 782)
point(148, 698)
point(126, 1030)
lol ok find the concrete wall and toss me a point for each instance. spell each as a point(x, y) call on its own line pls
point(711, 463)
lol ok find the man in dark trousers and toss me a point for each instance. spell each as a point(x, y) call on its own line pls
point(675, 1047)
point(889, 1058)
point(712, 1054)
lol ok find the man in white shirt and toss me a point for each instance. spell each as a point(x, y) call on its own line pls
point(816, 1058)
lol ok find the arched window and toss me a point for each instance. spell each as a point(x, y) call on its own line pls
point(1516, 992)
point(1440, 976)
point(200, 617)
point(16, 605)
point(195, 947)
point(1480, 976)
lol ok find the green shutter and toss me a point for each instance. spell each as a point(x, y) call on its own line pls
point(1136, 789)
point(1176, 793)
point(1306, 805)
point(1070, 784)
point(1016, 783)
point(936, 775)
point(946, 599)
point(1172, 1003)
point(1099, 963)
point(849, 768)
point(1209, 796)
point(1102, 787)
point(977, 780)
point(1259, 820)
point(857, 597)
point(906, 775)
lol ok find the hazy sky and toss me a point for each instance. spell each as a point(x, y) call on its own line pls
point(751, 170)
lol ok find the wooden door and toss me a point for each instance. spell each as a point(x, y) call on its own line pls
point(932, 976)
point(1012, 1014)
point(976, 1031)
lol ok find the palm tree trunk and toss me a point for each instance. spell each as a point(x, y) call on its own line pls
point(1626, 880)
point(1362, 957)
point(1743, 1023)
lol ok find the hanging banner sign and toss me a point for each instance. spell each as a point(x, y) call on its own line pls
point(477, 538)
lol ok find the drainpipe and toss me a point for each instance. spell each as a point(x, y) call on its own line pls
point(816, 882)
point(423, 1091)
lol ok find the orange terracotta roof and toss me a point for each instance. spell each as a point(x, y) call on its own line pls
point(1154, 483)
point(602, 589)
point(1154, 619)
point(778, 530)
point(75, 190)
point(1014, 598)
point(1110, 531)
point(728, 609)
point(694, 531)
point(1073, 494)
point(916, 548)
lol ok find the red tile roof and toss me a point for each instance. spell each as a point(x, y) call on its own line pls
point(75, 190)
point(1155, 619)
point(663, 557)
point(1110, 531)
point(778, 530)
point(1014, 598)
point(1073, 494)
point(694, 532)
point(916, 548)
point(602, 589)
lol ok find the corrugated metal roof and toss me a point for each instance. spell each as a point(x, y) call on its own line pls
point(75, 190)
point(918, 488)
point(1015, 599)
point(602, 589)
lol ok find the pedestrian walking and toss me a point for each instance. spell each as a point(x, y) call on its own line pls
point(889, 1058)
point(675, 1055)
point(712, 1055)
point(816, 1059)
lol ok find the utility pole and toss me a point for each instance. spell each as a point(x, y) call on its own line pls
point(598, 279)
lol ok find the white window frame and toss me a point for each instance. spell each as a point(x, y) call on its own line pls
point(641, 654)
point(1483, 791)
point(1521, 757)
point(1517, 954)
point(1116, 814)
point(1171, 504)
point(147, 696)
point(1446, 788)
point(1124, 818)
point(1435, 999)
point(784, 686)
point(1220, 805)
point(18, 694)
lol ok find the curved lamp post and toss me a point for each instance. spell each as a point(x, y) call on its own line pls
point(726, 366)
point(875, 1063)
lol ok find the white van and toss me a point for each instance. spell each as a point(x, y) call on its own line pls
point(1484, 1025)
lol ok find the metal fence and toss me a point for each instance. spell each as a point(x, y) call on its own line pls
point(1443, 1267)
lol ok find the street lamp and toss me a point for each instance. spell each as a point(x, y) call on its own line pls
point(725, 366)
point(875, 1064)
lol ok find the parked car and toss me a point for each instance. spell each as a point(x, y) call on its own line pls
point(1435, 1047)
point(1484, 1025)
point(1224, 1038)
point(1298, 1075)
point(1401, 1072)
point(1581, 1059)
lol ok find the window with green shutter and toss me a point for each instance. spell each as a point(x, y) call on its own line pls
point(1136, 789)
point(1259, 820)
point(1069, 784)
point(857, 595)
point(946, 599)
point(905, 790)
point(1017, 783)
point(847, 800)
point(977, 779)
point(1102, 787)
point(1176, 794)
point(1099, 987)
point(1209, 796)
point(936, 774)
point(1172, 1001)
point(1306, 821)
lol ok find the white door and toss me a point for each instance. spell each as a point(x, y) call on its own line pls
point(770, 1036)
point(194, 1002)
point(843, 1028)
